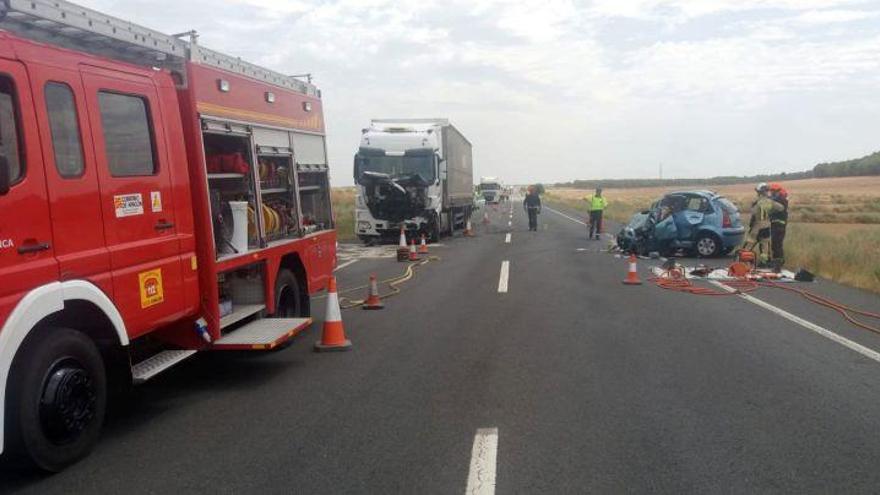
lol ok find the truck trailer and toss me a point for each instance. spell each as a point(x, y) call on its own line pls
point(157, 199)
point(412, 174)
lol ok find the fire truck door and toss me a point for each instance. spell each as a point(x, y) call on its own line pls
point(71, 176)
point(136, 201)
point(27, 258)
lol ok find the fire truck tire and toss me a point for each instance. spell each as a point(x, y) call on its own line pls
point(57, 399)
point(289, 297)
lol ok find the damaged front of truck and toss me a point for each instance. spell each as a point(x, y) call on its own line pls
point(397, 177)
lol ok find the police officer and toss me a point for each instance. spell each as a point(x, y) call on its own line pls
point(596, 204)
point(778, 221)
point(532, 204)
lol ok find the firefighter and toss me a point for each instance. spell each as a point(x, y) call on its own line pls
point(532, 204)
point(596, 204)
point(778, 222)
point(758, 237)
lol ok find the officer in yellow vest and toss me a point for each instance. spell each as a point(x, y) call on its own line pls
point(597, 204)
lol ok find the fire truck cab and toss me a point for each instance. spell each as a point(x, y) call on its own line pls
point(156, 199)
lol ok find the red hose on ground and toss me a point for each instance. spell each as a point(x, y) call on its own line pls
point(675, 279)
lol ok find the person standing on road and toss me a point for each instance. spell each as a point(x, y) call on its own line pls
point(778, 221)
point(759, 225)
point(596, 204)
point(532, 204)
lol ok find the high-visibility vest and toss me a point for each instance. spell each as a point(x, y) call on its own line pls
point(597, 202)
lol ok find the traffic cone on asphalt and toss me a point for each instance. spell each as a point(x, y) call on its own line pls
point(413, 256)
point(423, 247)
point(632, 275)
point(468, 231)
point(402, 242)
point(333, 334)
point(402, 250)
point(373, 300)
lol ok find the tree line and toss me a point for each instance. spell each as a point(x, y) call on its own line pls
point(866, 165)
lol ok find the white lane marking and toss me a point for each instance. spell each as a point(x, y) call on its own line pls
point(509, 224)
point(507, 238)
point(340, 267)
point(828, 334)
point(503, 277)
point(481, 477)
point(564, 215)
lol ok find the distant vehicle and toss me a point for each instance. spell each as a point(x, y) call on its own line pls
point(412, 173)
point(703, 223)
point(491, 189)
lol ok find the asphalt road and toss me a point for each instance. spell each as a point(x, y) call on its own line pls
point(591, 386)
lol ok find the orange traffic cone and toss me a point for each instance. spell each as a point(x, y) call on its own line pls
point(333, 334)
point(468, 231)
point(402, 243)
point(632, 276)
point(402, 250)
point(413, 256)
point(373, 300)
point(423, 247)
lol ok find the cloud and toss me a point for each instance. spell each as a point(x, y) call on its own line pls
point(555, 89)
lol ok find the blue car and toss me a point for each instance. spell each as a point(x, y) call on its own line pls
point(702, 223)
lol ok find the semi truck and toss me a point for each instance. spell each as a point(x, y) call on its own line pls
point(414, 175)
point(491, 189)
point(157, 199)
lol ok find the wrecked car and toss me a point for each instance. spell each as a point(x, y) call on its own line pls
point(700, 223)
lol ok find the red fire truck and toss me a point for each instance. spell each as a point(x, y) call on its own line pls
point(156, 199)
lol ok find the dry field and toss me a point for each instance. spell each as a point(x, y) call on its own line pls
point(343, 210)
point(834, 223)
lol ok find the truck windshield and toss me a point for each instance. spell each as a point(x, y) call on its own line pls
point(397, 166)
point(489, 187)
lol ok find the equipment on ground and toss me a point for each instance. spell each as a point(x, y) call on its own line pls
point(415, 174)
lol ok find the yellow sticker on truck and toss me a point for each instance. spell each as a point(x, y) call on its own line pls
point(151, 287)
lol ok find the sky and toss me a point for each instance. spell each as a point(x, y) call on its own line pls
point(552, 90)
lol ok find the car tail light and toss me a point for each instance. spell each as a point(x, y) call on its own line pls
point(725, 219)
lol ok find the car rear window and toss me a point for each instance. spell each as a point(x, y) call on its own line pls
point(728, 206)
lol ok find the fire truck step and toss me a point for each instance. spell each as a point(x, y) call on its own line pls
point(240, 312)
point(262, 334)
point(152, 366)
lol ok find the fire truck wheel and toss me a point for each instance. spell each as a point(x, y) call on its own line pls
point(289, 300)
point(57, 399)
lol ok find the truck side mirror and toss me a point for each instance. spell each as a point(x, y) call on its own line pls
point(4, 175)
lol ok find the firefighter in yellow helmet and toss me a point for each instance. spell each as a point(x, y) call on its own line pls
point(758, 238)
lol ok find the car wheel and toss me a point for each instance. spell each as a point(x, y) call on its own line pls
point(57, 400)
point(708, 246)
point(289, 300)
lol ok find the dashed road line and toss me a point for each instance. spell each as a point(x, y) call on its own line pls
point(481, 476)
point(828, 334)
point(507, 238)
point(503, 277)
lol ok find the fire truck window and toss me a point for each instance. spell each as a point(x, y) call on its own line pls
point(128, 140)
point(64, 125)
point(9, 135)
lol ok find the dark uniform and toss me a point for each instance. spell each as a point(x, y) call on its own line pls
point(532, 204)
point(778, 221)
